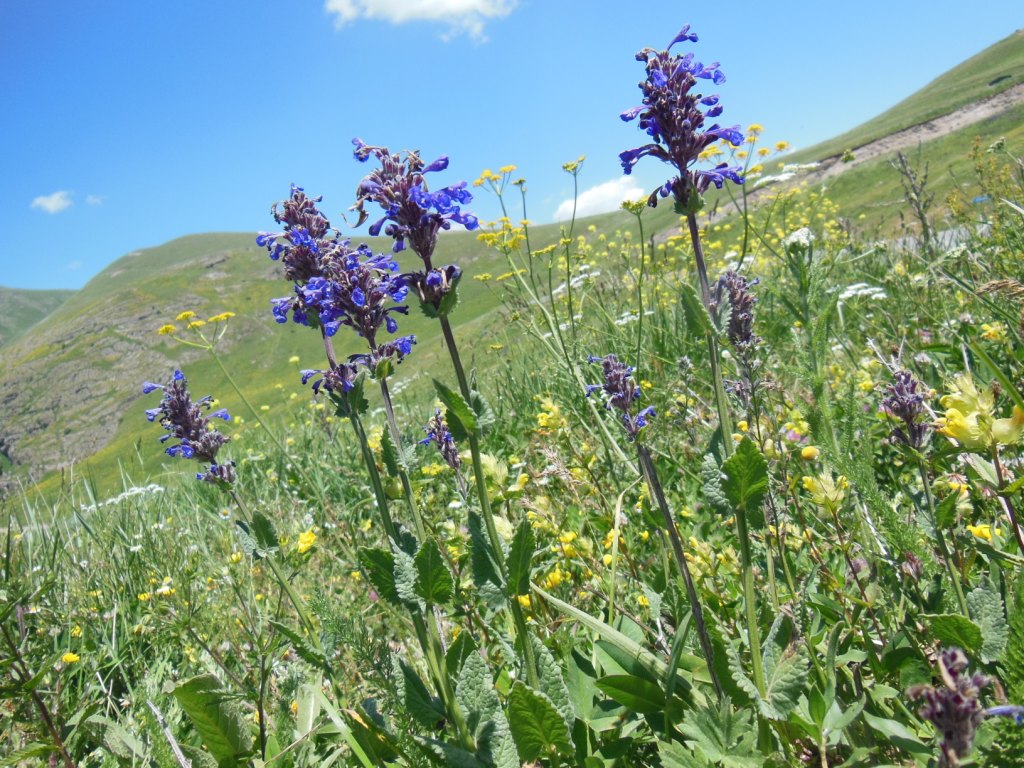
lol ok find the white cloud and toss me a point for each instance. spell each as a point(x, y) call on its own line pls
point(54, 203)
point(73, 266)
point(601, 198)
point(461, 16)
point(94, 199)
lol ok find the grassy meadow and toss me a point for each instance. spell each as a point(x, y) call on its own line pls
point(600, 516)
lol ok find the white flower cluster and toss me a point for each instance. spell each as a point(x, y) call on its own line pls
point(801, 238)
point(137, 490)
point(862, 290)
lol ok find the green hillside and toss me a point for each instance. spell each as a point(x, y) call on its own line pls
point(994, 70)
point(21, 309)
point(70, 390)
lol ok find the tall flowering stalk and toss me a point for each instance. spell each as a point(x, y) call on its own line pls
point(621, 393)
point(673, 114)
point(414, 216)
point(335, 286)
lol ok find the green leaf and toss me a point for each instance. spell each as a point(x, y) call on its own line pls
point(986, 607)
point(674, 755)
point(711, 478)
point(392, 459)
point(418, 702)
point(302, 646)
point(485, 417)
point(634, 693)
point(945, 512)
point(785, 680)
point(264, 532)
point(461, 647)
point(486, 574)
point(353, 402)
point(460, 417)
point(475, 693)
point(954, 629)
point(897, 733)
point(697, 320)
point(379, 566)
point(199, 757)
point(551, 681)
point(216, 717)
point(452, 756)
point(520, 557)
point(746, 481)
point(21, 756)
point(405, 577)
point(117, 739)
point(537, 727)
point(723, 736)
point(308, 707)
point(433, 581)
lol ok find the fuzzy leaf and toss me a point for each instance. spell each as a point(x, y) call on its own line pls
point(746, 481)
point(461, 418)
point(697, 320)
point(302, 647)
point(485, 570)
point(537, 727)
point(418, 702)
point(674, 755)
point(216, 717)
point(520, 557)
point(405, 577)
point(264, 532)
point(393, 460)
point(785, 680)
point(485, 417)
point(986, 607)
point(460, 649)
point(551, 681)
point(954, 629)
point(711, 478)
point(433, 581)
point(475, 693)
point(379, 566)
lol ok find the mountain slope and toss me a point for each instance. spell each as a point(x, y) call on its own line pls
point(20, 309)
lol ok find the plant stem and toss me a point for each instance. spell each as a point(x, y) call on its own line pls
point(940, 540)
point(658, 494)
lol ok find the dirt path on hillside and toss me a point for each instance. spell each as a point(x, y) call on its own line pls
point(922, 132)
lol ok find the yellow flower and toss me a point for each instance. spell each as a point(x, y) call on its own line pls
point(742, 425)
point(188, 315)
point(70, 658)
point(195, 324)
point(984, 531)
point(993, 331)
point(221, 317)
point(809, 453)
point(755, 129)
point(781, 146)
point(236, 557)
point(293, 359)
point(76, 631)
point(144, 596)
point(166, 330)
point(507, 168)
point(826, 492)
point(306, 541)
point(970, 417)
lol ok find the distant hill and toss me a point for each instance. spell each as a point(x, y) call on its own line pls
point(70, 389)
point(20, 309)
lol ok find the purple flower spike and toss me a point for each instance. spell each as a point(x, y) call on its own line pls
point(149, 386)
point(621, 392)
point(673, 115)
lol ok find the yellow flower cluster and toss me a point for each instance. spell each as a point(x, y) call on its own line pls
point(826, 492)
point(550, 418)
point(970, 417)
point(306, 541)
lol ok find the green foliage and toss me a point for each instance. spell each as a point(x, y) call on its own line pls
point(216, 717)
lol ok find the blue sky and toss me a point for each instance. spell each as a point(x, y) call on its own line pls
point(127, 124)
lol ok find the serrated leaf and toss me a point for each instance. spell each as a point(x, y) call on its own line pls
point(199, 758)
point(485, 570)
point(117, 739)
point(393, 461)
point(433, 581)
point(264, 532)
point(460, 649)
point(537, 727)
point(417, 701)
point(520, 558)
point(746, 481)
point(405, 577)
point(379, 567)
point(785, 680)
point(452, 756)
point(954, 629)
point(697, 320)
point(711, 478)
point(460, 417)
point(551, 681)
point(485, 417)
point(353, 402)
point(634, 693)
point(302, 647)
point(475, 693)
point(674, 755)
point(986, 608)
point(308, 706)
point(21, 756)
point(249, 545)
point(724, 736)
point(216, 717)
point(946, 513)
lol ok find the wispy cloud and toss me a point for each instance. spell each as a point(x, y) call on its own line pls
point(94, 199)
point(461, 16)
point(601, 198)
point(73, 266)
point(54, 203)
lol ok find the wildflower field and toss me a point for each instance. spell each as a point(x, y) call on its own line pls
point(735, 482)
